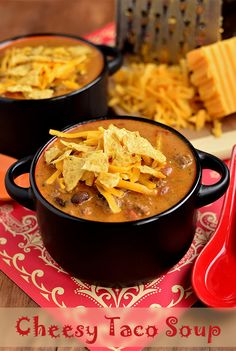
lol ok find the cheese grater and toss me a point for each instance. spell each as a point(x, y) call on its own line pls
point(165, 30)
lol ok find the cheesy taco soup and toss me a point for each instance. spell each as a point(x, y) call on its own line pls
point(45, 67)
point(115, 170)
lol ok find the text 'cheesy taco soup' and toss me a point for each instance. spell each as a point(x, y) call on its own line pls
point(115, 170)
point(42, 68)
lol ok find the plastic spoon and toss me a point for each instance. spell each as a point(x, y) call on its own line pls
point(5, 163)
point(214, 272)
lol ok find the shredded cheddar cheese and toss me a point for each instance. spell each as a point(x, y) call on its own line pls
point(161, 92)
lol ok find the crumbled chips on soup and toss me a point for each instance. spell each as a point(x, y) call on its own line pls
point(42, 72)
point(128, 147)
point(110, 180)
point(77, 147)
point(52, 153)
point(36, 94)
point(72, 171)
point(16, 88)
point(96, 161)
point(112, 160)
point(62, 157)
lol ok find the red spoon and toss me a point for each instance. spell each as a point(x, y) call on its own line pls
point(214, 272)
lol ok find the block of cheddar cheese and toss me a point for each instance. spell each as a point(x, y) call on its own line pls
point(213, 70)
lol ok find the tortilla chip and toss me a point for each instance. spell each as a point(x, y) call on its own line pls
point(33, 77)
point(52, 153)
point(137, 144)
point(112, 145)
point(62, 157)
point(19, 89)
point(110, 180)
point(72, 171)
point(19, 71)
point(96, 161)
point(113, 139)
point(36, 94)
point(78, 147)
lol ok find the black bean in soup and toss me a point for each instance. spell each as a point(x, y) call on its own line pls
point(80, 197)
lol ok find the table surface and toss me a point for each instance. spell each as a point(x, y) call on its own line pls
point(78, 17)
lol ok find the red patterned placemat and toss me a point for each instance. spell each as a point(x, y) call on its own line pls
point(24, 259)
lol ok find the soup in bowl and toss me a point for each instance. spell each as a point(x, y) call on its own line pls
point(116, 198)
point(50, 80)
point(42, 67)
point(125, 171)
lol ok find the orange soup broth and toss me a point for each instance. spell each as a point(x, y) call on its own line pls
point(170, 191)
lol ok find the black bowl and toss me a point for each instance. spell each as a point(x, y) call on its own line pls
point(122, 253)
point(24, 124)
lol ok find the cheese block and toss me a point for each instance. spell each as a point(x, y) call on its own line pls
point(213, 70)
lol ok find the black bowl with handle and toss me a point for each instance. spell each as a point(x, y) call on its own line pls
point(24, 123)
point(121, 253)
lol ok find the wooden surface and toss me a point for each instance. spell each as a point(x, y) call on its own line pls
point(204, 140)
point(220, 147)
point(66, 16)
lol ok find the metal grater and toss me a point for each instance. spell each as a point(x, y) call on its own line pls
point(165, 30)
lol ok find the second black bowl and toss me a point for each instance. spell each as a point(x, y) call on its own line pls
point(24, 124)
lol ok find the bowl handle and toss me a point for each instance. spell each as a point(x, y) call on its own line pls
point(115, 60)
point(210, 193)
point(21, 195)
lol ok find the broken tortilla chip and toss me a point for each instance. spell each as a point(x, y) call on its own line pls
point(72, 171)
point(110, 180)
point(96, 161)
point(52, 153)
